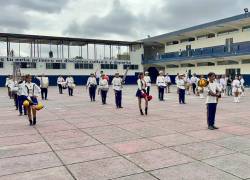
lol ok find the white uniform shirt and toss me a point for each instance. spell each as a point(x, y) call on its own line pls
point(223, 82)
point(242, 81)
point(21, 89)
point(69, 81)
point(44, 82)
point(167, 79)
point(142, 84)
point(117, 83)
point(160, 81)
point(60, 80)
point(194, 80)
point(176, 79)
point(148, 80)
point(212, 87)
point(91, 81)
point(181, 83)
point(31, 89)
point(103, 84)
point(236, 85)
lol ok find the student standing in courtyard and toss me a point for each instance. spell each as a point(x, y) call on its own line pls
point(60, 83)
point(229, 86)
point(160, 82)
point(148, 81)
point(168, 83)
point(117, 87)
point(91, 85)
point(181, 86)
point(213, 93)
point(21, 96)
point(236, 89)
point(31, 91)
point(103, 88)
point(44, 85)
point(194, 81)
point(142, 93)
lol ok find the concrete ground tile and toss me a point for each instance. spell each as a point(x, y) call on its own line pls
point(202, 150)
point(73, 143)
point(53, 136)
point(77, 155)
point(94, 123)
point(58, 173)
point(17, 132)
point(23, 149)
point(24, 139)
point(174, 139)
point(28, 163)
point(236, 164)
point(236, 130)
point(104, 169)
point(103, 130)
point(159, 158)
point(143, 176)
point(192, 171)
point(134, 146)
point(238, 143)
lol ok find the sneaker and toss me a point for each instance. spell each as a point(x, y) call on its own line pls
point(210, 127)
point(215, 127)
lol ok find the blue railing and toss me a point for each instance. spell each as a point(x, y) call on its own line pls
point(236, 49)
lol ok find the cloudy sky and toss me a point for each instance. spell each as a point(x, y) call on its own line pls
point(111, 19)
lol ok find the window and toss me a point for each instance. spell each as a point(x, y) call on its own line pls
point(27, 65)
point(55, 65)
point(83, 66)
point(172, 66)
point(1, 64)
point(246, 61)
point(228, 32)
point(227, 62)
point(108, 66)
point(132, 67)
point(205, 64)
point(187, 65)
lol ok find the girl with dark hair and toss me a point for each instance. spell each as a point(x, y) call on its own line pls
point(142, 93)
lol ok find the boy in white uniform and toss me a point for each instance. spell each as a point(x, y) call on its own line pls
point(44, 84)
point(168, 83)
point(242, 82)
point(194, 81)
point(21, 96)
point(160, 82)
point(70, 84)
point(223, 85)
point(60, 83)
point(91, 85)
point(236, 89)
point(213, 93)
point(181, 86)
point(147, 79)
point(103, 88)
point(117, 87)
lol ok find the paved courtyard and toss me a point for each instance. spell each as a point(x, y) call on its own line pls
point(77, 139)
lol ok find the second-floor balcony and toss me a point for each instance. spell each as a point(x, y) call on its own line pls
point(235, 49)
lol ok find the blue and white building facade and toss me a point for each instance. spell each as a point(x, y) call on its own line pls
point(221, 46)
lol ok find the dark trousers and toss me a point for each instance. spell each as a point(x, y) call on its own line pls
point(161, 93)
point(21, 109)
point(181, 96)
point(44, 93)
point(118, 98)
point(15, 97)
point(70, 90)
point(194, 87)
point(104, 96)
point(229, 90)
point(9, 93)
point(60, 88)
point(92, 92)
point(148, 90)
point(211, 111)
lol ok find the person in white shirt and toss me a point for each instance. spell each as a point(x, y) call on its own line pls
point(188, 85)
point(236, 89)
point(181, 86)
point(70, 84)
point(44, 84)
point(213, 93)
point(117, 87)
point(194, 82)
point(201, 89)
point(60, 83)
point(103, 88)
point(21, 96)
point(148, 81)
point(14, 92)
point(31, 91)
point(176, 78)
point(223, 85)
point(160, 82)
point(242, 82)
point(168, 83)
point(7, 84)
point(91, 85)
point(141, 93)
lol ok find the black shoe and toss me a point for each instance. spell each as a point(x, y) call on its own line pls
point(215, 127)
point(20, 114)
point(30, 122)
point(210, 127)
point(25, 114)
point(146, 111)
point(141, 112)
point(121, 107)
point(34, 121)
